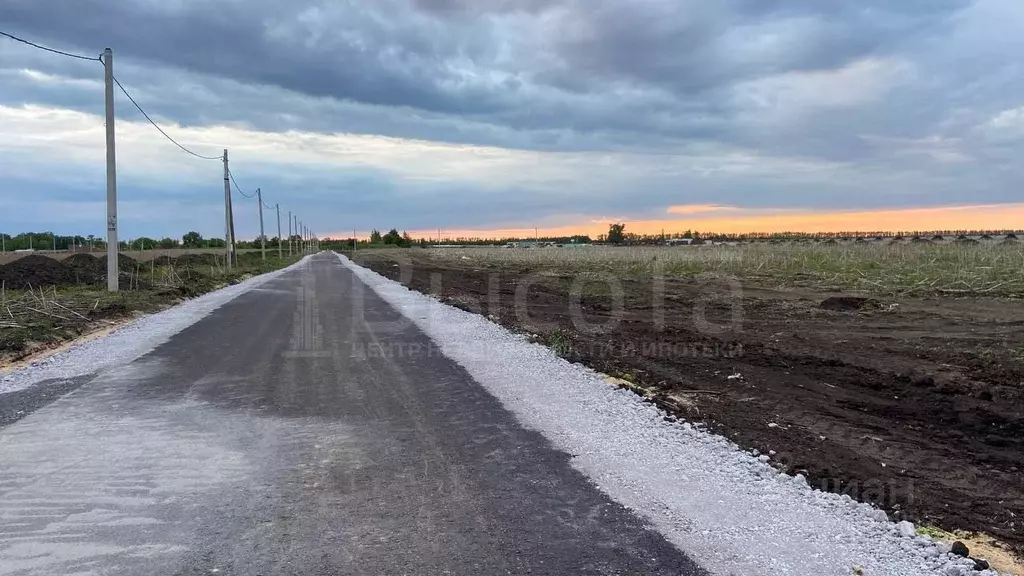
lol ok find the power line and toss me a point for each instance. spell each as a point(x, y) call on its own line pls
point(34, 45)
point(99, 59)
point(239, 188)
point(161, 129)
point(137, 106)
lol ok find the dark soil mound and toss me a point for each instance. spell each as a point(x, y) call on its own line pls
point(966, 241)
point(1010, 242)
point(848, 303)
point(33, 271)
point(85, 269)
point(1011, 236)
point(830, 242)
point(124, 263)
point(939, 238)
point(919, 240)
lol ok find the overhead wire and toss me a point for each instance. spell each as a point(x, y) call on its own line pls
point(54, 50)
point(161, 130)
point(239, 188)
point(119, 85)
point(137, 106)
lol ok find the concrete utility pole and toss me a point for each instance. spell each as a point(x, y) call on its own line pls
point(289, 233)
point(280, 246)
point(263, 236)
point(228, 236)
point(112, 252)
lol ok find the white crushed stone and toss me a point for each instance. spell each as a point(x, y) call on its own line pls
point(730, 511)
point(131, 340)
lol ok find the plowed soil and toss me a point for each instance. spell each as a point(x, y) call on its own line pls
point(915, 405)
point(33, 271)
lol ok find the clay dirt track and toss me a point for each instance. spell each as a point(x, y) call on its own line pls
point(912, 404)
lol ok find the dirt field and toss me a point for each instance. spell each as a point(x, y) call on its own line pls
point(913, 403)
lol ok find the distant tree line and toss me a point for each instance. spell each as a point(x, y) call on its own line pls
point(50, 241)
point(394, 239)
point(617, 234)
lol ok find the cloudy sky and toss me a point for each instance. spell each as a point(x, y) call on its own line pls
point(499, 115)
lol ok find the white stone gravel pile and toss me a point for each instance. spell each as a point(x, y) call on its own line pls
point(729, 510)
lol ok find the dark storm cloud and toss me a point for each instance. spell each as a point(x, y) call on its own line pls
point(363, 55)
point(453, 7)
point(436, 55)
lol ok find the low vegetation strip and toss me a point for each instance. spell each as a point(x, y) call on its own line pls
point(914, 403)
point(45, 302)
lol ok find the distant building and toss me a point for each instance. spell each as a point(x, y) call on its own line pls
point(679, 242)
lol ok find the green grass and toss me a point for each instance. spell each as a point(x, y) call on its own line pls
point(933, 532)
point(560, 343)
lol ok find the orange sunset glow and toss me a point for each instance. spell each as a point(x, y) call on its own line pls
point(730, 219)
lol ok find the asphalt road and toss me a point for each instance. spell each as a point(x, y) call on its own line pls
point(303, 428)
